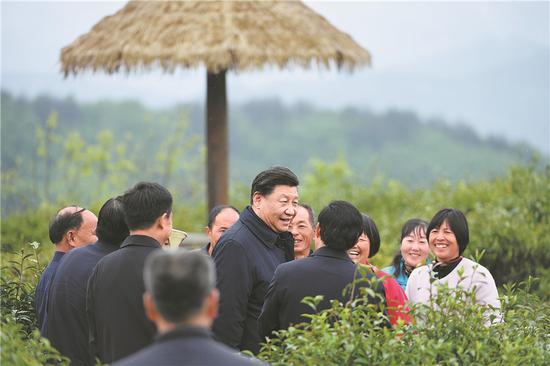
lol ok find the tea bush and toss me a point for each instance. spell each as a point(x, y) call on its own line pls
point(456, 333)
point(20, 339)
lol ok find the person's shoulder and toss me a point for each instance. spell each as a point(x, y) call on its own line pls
point(475, 268)
point(420, 272)
point(389, 270)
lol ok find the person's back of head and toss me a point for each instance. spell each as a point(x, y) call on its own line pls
point(340, 225)
point(111, 226)
point(144, 203)
point(73, 226)
point(180, 287)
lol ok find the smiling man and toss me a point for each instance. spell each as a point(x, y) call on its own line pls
point(248, 253)
point(302, 230)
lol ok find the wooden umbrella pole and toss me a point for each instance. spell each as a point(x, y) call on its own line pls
point(216, 139)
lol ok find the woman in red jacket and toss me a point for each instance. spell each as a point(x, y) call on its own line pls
point(366, 247)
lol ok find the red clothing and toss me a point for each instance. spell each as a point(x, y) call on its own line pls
point(395, 299)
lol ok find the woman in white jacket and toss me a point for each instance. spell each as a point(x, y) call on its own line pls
point(448, 236)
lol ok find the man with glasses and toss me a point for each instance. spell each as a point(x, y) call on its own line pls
point(116, 317)
point(72, 227)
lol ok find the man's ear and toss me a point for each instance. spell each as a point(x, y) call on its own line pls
point(317, 231)
point(212, 301)
point(256, 199)
point(163, 221)
point(70, 237)
point(150, 308)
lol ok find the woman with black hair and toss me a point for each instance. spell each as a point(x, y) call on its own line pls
point(366, 247)
point(448, 237)
point(413, 251)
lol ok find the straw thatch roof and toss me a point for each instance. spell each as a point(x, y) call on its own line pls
point(224, 35)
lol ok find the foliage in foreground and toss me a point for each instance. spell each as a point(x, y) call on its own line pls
point(20, 340)
point(455, 334)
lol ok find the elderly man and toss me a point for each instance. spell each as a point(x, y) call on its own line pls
point(302, 230)
point(116, 317)
point(67, 326)
point(327, 272)
point(181, 299)
point(220, 218)
point(72, 227)
point(248, 253)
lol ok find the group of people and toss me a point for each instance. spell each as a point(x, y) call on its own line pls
point(110, 293)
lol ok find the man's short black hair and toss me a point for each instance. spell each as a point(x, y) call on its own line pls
point(310, 213)
point(265, 182)
point(457, 222)
point(111, 227)
point(64, 222)
point(178, 282)
point(370, 229)
point(216, 211)
point(144, 204)
point(341, 225)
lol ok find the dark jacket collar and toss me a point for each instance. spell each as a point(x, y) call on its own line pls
point(267, 236)
point(141, 241)
point(57, 256)
point(333, 253)
point(184, 331)
point(258, 227)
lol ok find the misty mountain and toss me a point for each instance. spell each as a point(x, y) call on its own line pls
point(167, 145)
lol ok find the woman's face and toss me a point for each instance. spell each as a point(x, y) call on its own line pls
point(443, 243)
point(414, 248)
point(359, 253)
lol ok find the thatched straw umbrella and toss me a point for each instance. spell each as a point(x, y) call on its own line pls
point(221, 36)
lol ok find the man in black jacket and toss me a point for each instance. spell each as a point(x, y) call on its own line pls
point(181, 299)
point(67, 326)
point(328, 272)
point(117, 320)
point(248, 253)
point(72, 227)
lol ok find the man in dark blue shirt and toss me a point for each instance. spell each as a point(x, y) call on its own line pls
point(67, 327)
point(248, 253)
point(182, 300)
point(220, 219)
point(72, 227)
point(328, 272)
point(114, 304)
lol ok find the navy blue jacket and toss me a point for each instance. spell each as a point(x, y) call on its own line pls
point(327, 272)
point(192, 346)
point(114, 301)
point(67, 326)
point(246, 257)
point(43, 289)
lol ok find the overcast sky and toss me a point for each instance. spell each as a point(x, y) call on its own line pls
point(485, 64)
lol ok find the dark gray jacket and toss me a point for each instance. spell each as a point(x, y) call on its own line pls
point(192, 346)
point(246, 257)
point(327, 272)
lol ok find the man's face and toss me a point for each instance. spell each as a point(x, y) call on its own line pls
point(225, 219)
point(302, 231)
point(85, 234)
point(277, 208)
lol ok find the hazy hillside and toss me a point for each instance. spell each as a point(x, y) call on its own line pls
point(89, 150)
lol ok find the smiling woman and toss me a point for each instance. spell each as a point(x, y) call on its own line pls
point(448, 237)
